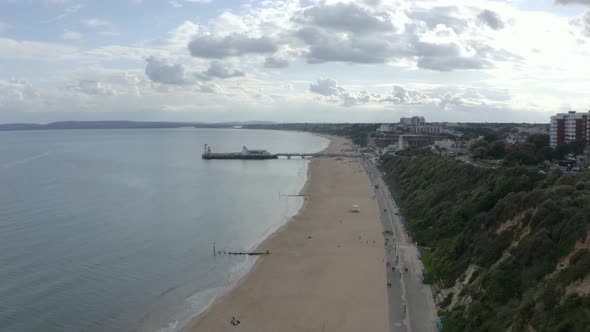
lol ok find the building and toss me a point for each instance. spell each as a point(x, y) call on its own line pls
point(569, 127)
point(430, 130)
point(403, 141)
point(414, 121)
point(446, 144)
point(384, 128)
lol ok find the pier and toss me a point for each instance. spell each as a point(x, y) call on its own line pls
point(313, 155)
point(246, 154)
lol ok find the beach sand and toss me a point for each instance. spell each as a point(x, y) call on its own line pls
point(326, 271)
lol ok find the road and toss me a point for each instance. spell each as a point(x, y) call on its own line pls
point(411, 305)
point(468, 160)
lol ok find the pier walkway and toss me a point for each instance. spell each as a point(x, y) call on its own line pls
point(310, 155)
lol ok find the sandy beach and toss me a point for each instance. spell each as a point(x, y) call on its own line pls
point(327, 267)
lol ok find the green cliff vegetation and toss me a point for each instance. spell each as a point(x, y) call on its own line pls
point(510, 247)
point(533, 151)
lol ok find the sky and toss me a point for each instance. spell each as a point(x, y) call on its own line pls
point(293, 60)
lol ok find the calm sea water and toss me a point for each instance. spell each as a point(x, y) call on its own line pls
point(112, 230)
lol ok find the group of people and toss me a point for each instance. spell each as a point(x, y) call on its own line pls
point(234, 321)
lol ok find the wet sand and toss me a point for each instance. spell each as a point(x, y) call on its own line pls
point(326, 271)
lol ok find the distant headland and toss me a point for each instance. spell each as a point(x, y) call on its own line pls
point(122, 125)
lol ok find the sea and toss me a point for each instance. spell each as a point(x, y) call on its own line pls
point(113, 230)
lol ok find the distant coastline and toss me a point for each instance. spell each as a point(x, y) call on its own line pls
point(122, 125)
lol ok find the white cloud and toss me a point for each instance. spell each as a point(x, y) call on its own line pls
point(71, 35)
point(175, 4)
point(334, 93)
point(96, 22)
point(109, 33)
point(219, 70)
point(491, 19)
point(4, 26)
point(161, 71)
point(31, 50)
point(93, 88)
point(573, 2)
point(67, 12)
point(207, 46)
point(275, 62)
point(12, 91)
point(362, 45)
point(349, 17)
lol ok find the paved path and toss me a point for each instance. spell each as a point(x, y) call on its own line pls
point(467, 159)
point(411, 305)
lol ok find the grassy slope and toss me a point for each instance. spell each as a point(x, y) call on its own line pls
point(520, 232)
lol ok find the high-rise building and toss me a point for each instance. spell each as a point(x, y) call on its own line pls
point(431, 130)
point(569, 127)
point(414, 121)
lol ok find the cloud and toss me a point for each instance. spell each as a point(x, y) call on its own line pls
point(449, 63)
point(491, 19)
point(96, 22)
point(71, 35)
point(207, 46)
point(275, 62)
point(325, 47)
point(67, 12)
point(175, 4)
point(432, 16)
point(348, 17)
point(16, 91)
point(109, 33)
point(31, 50)
point(161, 71)
point(330, 89)
point(402, 96)
point(219, 70)
point(91, 87)
point(325, 87)
point(4, 26)
point(434, 38)
point(573, 2)
point(443, 97)
point(582, 23)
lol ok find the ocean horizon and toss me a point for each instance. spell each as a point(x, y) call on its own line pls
point(114, 229)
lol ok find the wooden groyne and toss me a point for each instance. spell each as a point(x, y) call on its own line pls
point(242, 253)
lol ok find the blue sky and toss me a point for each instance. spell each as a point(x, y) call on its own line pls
point(332, 60)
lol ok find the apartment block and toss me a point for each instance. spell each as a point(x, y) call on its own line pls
point(414, 121)
point(568, 127)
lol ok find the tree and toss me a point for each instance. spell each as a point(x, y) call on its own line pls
point(491, 137)
point(539, 140)
point(579, 146)
point(547, 153)
point(520, 157)
point(497, 149)
point(479, 152)
point(561, 150)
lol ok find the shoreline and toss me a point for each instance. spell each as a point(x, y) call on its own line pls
point(257, 246)
point(255, 293)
